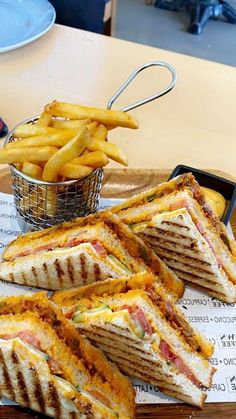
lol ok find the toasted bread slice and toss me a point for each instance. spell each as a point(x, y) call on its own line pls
point(105, 377)
point(143, 332)
point(90, 249)
point(25, 341)
point(175, 220)
point(144, 281)
point(175, 238)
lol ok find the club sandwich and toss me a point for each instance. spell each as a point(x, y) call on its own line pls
point(48, 366)
point(81, 252)
point(175, 220)
point(138, 326)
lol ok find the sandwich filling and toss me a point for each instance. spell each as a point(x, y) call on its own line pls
point(101, 241)
point(107, 383)
point(140, 322)
point(143, 219)
point(35, 345)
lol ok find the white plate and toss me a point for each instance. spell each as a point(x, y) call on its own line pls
point(23, 21)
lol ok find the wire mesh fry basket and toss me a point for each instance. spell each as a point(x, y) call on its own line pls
point(42, 204)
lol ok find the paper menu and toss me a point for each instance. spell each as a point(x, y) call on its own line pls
point(217, 320)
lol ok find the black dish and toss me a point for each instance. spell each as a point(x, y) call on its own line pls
point(225, 187)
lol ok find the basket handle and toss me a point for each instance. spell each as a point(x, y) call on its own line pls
point(150, 98)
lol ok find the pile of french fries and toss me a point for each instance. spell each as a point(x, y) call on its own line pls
point(67, 142)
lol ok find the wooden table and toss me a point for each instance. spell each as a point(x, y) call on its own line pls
point(194, 124)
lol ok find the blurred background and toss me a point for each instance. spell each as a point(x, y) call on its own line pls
point(143, 22)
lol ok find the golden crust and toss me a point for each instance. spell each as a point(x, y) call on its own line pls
point(135, 246)
point(111, 286)
point(181, 182)
point(104, 375)
point(145, 286)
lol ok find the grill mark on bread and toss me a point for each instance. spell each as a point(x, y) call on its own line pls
point(195, 277)
point(38, 392)
point(215, 293)
point(164, 232)
point(152, 240)
point(210, 276)
point(165, 387)
point(6, 376)
point(70, 269)
point(120, 338)
point(12, 278)
point(33, 270)
point(182, 258)
point(24, 279)
point(172, 223)
point(109, 348)
point(198, 275)
point(97, 272)
point(47, 275)
point(14, 358)
point(54, 400)
point(102, 329)
point(143, 371)
point(22, 386)
point(60, 272)
point(82, 259)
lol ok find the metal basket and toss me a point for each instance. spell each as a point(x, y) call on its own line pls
point(42, 204)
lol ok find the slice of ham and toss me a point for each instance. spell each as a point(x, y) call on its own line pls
point(138, 315)
point(217, 256)
point(167, 353)
point(183, 203)
point(200, 227)
point(26, 336)
point(72, 242)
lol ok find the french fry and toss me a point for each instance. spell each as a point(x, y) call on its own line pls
point(103, 116)
point(58, 139)
point(28, 130)
point(111, 150)
point(75, 171)
point(31, 154)
point(92, 127)
point(100, 133)
point(68, 124)
point(44, 120)
point(94, 159)
point(67, 153)
point(32, 170)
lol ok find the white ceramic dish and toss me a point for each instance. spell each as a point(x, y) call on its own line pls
point(23, 21)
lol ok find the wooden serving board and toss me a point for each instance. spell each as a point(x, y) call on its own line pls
point(123, 183)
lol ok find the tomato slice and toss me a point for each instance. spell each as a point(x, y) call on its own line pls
point(177, 362)
point(139, 315)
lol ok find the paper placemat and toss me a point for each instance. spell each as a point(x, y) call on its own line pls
point(217, 320)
